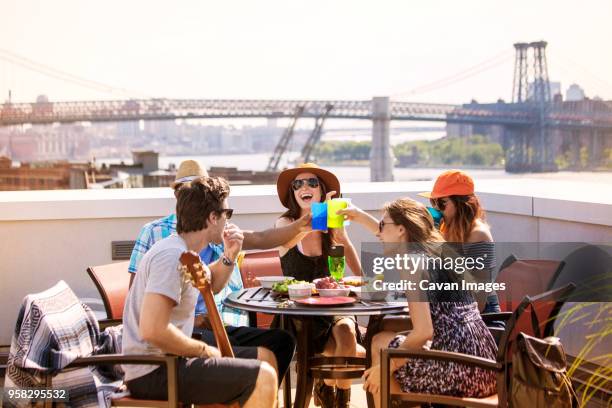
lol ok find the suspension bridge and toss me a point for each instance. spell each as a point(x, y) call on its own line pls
point(530, 122)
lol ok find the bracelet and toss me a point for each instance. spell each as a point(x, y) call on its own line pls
point(226, 261)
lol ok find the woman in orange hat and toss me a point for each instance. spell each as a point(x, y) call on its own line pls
point(464, 222)
point(305, 258)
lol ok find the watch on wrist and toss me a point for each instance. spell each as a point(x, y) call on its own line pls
point(226, 261)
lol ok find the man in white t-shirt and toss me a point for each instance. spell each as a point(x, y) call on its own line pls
point(158, 315)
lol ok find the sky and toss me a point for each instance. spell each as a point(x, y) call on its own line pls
point(408, 50)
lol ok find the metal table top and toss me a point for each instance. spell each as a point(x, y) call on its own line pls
point(262, 300)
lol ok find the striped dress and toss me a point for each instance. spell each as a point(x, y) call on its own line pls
point(458, 327)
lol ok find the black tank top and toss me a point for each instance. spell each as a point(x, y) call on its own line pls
point(303, 267)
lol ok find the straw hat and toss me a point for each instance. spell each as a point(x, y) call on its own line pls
point(283, 183)
point(188, 170)
point(449, 183)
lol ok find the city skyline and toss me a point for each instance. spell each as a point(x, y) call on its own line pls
point(314, 50)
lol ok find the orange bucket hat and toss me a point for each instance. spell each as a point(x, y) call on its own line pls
point(283, 183)
point(449, 183)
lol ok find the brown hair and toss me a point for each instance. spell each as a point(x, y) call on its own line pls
point(196, 200)
point(415, 218)
point(467, 211)
point(294, 209)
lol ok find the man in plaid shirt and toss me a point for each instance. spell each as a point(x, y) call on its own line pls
point(237, 321)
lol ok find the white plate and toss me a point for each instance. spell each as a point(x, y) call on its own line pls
point(268, 281)
point(369, 294)
point(334, 292)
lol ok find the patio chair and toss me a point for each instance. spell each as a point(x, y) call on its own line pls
point(535, 316)
point(525, 277)
point(113, 283)
point(252, 265)
point(170, 362)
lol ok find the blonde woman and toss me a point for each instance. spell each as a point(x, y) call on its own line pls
point(437, 323)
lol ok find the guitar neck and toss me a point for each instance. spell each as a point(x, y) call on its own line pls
point(199, 276)
point(218, 327)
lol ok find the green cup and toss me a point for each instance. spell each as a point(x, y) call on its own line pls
point(334, 220)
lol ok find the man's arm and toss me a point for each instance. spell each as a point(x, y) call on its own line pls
point(275, 237)
point(143, 243)
point(221, 274)
point(232, 244)
point(155, 328)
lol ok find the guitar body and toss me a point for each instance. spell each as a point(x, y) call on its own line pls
point(196, 273)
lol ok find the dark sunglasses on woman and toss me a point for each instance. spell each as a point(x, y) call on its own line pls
point(438, 203)
point(313, 182)
point(381, 225)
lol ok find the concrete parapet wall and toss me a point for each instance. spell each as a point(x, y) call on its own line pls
point(46, 236)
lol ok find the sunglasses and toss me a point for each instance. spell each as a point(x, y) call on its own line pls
point(227, 211)
point(382, 224)
point(313, 182)
point(438, 203)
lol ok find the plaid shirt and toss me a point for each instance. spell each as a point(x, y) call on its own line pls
point(163, 227)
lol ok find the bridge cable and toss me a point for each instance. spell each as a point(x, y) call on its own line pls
point(462, 75)
point(49, 71)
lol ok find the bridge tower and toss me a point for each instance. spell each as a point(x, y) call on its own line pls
point(530, 149)
point(381, 155)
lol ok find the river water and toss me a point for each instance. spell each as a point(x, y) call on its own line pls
point(259, 161)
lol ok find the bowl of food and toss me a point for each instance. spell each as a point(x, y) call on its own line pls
point(268, 281)
point(282, 288)
point(328, 287)
point(299, 290)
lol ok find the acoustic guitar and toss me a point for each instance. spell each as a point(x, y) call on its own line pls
point(192, 268)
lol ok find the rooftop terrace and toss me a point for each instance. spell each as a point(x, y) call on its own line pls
point(51, 235)
point(46, 236)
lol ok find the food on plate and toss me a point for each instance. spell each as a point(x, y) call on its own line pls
point(354, 281)
point(268, 281)
point(283, 287)
point(326, 283)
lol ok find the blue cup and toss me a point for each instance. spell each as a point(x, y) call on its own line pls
point(436, 215)
point(319, 216)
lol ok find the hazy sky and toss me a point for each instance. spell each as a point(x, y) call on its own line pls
point(308, 49)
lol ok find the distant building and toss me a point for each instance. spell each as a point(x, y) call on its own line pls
point(38, 143)
point(5, 162)
point(574, 93)
point(555, 89)
point(42, 176)
point(148, 159)
point(129, 129)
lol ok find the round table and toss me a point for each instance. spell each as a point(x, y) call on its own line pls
point(261, 300)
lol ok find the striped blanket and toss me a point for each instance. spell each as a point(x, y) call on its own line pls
point(53, 329)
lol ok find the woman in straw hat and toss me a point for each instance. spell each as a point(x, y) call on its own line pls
point(464, 223)
point(446, 319)
point(305, 258)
